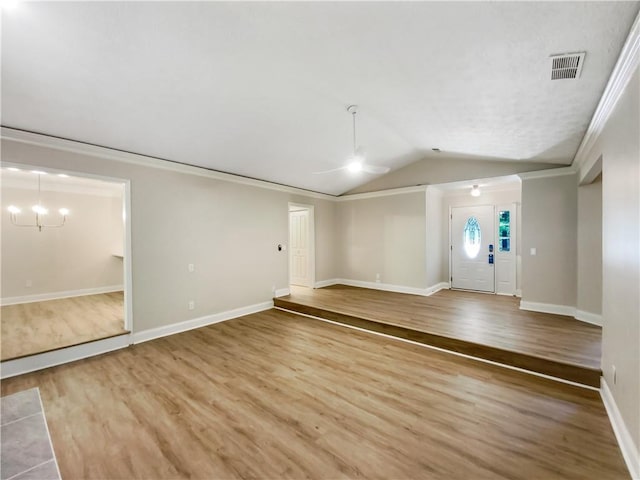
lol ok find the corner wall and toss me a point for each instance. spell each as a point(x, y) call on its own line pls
point(549, 224)
point(385, 236)
point(589, 292)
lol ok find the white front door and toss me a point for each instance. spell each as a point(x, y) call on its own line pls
point(473, 248)
point(299, 247)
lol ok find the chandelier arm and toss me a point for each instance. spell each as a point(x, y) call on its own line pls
point(64, 219)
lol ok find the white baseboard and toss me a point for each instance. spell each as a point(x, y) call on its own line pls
point(548, 308)
point(627, 446)
point(592, 318)
point(519, 293)
point(327, 283)
point(436, 288)
point(566, 310)
point(387, 287)
point(41, 297)
point(19, 366)
point(179, 327)
point(282, 292)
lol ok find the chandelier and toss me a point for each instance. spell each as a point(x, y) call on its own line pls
point(40, 212)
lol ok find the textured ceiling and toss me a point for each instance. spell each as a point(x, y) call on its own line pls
point(261, 89)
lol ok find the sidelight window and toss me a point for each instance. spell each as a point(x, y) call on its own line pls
point(504, 231)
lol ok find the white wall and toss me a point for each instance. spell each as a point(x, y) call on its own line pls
point(228, 230)
point(437, 238)
point(549, 224)
point(383, 235)
point(589, 293)
point(75, 257)
point(619, 146)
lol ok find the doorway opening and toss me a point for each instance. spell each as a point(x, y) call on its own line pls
point(302, 256)
point(66, 270)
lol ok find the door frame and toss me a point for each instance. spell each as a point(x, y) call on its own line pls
point(39, 361)
point(450, 249)
point(311, 235)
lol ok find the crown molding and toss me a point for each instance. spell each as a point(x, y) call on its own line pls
point(554, 172)
point(73, 146)
point(624, 69)
point(381, 193)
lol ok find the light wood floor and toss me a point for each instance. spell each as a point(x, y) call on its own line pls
point(37, 327)
point(274, 395)
point(494, 320)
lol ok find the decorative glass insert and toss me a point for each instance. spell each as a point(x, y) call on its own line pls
point(504, 231)
point(472, 237)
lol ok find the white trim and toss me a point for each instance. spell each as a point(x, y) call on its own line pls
point(381, 193)
point(518, 292)
point(625, 441)
point(624, 69)
point(384, 286)
point(180, 327)
point(73, 146)
point(327, 283)
point(387, 287)
point(553, 172)
point(282, 292)
point(20, 366)
point(436, 288)
point(127, 259)
point(443, 350)
point(41, 297)
point(548, 308)
point(566, 310)
point(588, 317)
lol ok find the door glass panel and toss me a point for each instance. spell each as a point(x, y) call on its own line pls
point(504, 231)
point(472, 237)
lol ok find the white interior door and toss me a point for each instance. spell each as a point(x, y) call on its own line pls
point(299, 248)
point(473, 248)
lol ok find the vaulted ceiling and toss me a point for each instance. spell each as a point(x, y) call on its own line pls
point(261, 89)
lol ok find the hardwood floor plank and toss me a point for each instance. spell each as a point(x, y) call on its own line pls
point(30, 328)
point(485, 326)
point(276, 395)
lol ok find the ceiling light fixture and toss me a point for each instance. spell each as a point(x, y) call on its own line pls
point(40, 212)
point(357, 162)
point(475, 191)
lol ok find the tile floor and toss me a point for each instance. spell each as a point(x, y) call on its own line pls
point(26, 450)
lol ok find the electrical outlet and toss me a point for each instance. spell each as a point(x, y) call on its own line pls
point(377, 278)
point(192, 304)
point(191, 267)
point(613, 374)
point(28, 284)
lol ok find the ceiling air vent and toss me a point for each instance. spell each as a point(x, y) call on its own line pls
point(568, 65)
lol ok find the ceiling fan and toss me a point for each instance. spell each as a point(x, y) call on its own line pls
point(357, 160)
